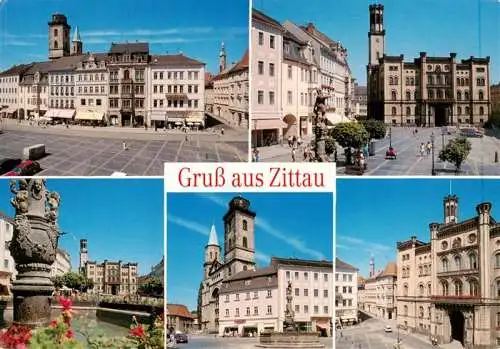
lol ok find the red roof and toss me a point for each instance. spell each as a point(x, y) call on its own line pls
point(241, 65)
point(179, 310)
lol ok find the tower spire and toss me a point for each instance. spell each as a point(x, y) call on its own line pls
point(76, 35)
point(212, 239)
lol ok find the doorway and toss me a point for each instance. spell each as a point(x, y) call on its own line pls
point(440, 116)
point(457, 322)
point(114, 290)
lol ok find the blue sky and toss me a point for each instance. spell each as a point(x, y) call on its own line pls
point(122, 219)
point(435, 26)
point(287, 225)
point(194, 27)
point(374, 214)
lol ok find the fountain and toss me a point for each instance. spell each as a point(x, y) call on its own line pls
point(320, 129)
point(33, 247)
point(290, 337)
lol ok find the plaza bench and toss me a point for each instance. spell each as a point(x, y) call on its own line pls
point(34, 152)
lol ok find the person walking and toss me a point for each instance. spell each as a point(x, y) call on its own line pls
point(422, 149)
point(293, 154)
point(124, 145)
point(429, 148)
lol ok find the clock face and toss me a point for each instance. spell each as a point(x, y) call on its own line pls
point(377, 40)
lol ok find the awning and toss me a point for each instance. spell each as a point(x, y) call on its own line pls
point(158, 116)
point(175, 119)
point(8, 110)
point(269, 124)
point(322, 326)
point(334, 118)
point(194, 120)
point(89, 115)
point(66, 113)
point(52, 113)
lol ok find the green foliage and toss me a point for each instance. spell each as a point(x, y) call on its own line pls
point(350, 134)
point(456, 152)
point(330, 146)
point(76, 281)
point(151, 287)
point(58, 281)
point(493, 121)
point(376, 129)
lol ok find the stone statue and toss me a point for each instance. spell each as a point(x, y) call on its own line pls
point(289, 313)
point(33, 248)
point(320, 129)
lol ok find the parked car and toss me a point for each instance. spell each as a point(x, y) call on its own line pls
point(8, 164)
point(25, 168)
point(181, 337)
point(387, 328)
point(471, 132)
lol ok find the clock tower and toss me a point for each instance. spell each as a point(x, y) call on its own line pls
point(376, 35)
point(239, 237)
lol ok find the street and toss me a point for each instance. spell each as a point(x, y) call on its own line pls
point(206, 342)
point(370, 334)
point(100, 152)
point(481, 160)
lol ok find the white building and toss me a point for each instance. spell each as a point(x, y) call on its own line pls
point(255, 300)
point(91, 87)
point(34, 91)
point(10, 91)
point(267, 57)
point(346, 293)
point(360, 102)
point(176, 91)
point(62, 264)
point(7, 266)
point(379, 294)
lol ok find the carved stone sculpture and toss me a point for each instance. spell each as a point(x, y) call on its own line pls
point(33, 247)
point(320, 129)
point(289, 313)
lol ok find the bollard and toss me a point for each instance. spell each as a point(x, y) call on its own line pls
point(496, 156)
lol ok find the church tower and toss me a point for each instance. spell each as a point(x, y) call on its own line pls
point(372, 266)
point(58, 36)
point(239, 237)
point(84, 255)
point(76, 44)
point(222, 58)
point(212, 251)
point(450, 204)
point(376, 35)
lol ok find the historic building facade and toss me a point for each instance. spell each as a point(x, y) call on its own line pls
point(360, 102)
point(179, 319)
point(430, 91)
point(495, 97)
point(109, 277)
point(176, 90)
point(230, 91)
point(62, 264)
point(7, 265)
point(346, 293)
point(449, 288)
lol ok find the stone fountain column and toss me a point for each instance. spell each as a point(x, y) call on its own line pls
point(320, 129)
point(33, 247)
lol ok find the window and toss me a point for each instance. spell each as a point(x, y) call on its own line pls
point(459, 110)
point(290, 97)
point(325, 293)
point(316, 309)
point(237, 312)
point(271, 69)
point(260, 65)
point(408, 95)
point(306, 309)
point(271, 41)
point(393, 95)
point(315, 292)
point(269, 310)
point(261, 38)
point(306, 292)
point(405, 310)
point(227, 312)
point(405, 290)
point(290, 72)
point(466, 94)
point(255, 310)
point(481, 110)
point(497, 260)
point(444, 285)
point(473, 288)
point(458, 287)
point(297, 292)
point(269, 293)
point(458, 262)
point(271, 97)
point(421, 289)
point(472, 261)
point(260, 97)
point(296, 275)
point(248, 311)
point(245, 242)
point(481, 95)
point(408, 111)
point(393, 111)
point(444, 265)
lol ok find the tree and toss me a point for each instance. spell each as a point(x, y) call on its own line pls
point(151, 287)
point(376, 129)
point(493, 121)
point(350, 135)
point(198, 307)
point(456, 151)
point(330, 146)
point(72, 280)
point(58, 281)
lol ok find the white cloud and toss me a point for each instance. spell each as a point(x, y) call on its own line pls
point(188, 224)
point(359, 244)
point(147, 32)
point(18, 43)
point(216, 199)
point(262, 257)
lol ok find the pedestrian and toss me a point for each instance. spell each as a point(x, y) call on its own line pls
point(429, 148)
point(124, 145)
point(256, 155)
point(290, 142)
point(293, 154)
point(222, 131)
point(422, 149)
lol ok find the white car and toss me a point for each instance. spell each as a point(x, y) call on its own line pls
point(387, 328)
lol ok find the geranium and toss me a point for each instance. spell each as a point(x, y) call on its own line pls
point(16, 337)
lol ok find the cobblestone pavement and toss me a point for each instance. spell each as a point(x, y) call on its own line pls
point(205, 342)
point(481, 160)
point(95, 152)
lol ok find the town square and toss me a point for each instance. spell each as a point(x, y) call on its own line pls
point(62, 286)
point(399, 103)
point(254, 279)
point(138, 91)
point(426, 278)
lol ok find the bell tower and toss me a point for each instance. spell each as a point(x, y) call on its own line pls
point(222, 58)
point(239, 237)
point(59, 36)
point(450, 204)
point(84, 255)
point(212, 250)
point(376, 35)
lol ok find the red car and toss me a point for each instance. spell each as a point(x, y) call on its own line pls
point(25, 168)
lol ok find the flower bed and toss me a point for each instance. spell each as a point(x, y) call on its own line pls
point(59, 334)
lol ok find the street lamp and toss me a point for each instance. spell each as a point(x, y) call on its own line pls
point(442, 139)
point(390, 136)
point(433, 172)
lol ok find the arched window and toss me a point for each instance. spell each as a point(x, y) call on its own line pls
point(431, 80)
point(421, 289)
point(245, 225)
point(391, 80)
point(458, 82)
point(459, 110)
point(481, 111)
point(230, 244)
point(126, 74)
point(463, 81)
point(56, 45)
point(458, 287)
point(408, 95)
point(498, 288)
point(481, 95)
point(245, 242)
point(55, 32)
point(472, 261)
point(412, 81)
point(405, 310)
point(459, 95)
point(395, 80)
point(466, 95)
point(444, 264)
point(444, 285)
point(429, 289)
point(393, 94)
point(393, 111)
point(421, 312)
point(473, 288)
point(439, 94)
point(458, 262)
point(457, 243)
point(431, 94)
point(408, 111)
point(407, 80)
point(467, 111)
point(210, 255)
point(405, 290)
point(497, 260)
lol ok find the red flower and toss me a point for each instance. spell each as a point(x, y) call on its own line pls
point(65, 303)
point(15, 337)
point(137, 331)
point(70, 333)
point(53, 323)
